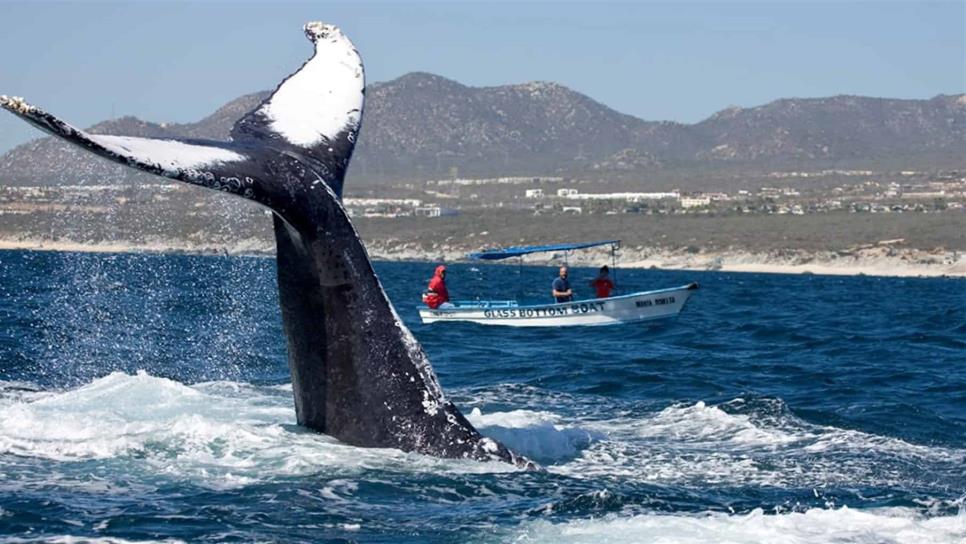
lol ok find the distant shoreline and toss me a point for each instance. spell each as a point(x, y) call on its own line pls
point(869, 261)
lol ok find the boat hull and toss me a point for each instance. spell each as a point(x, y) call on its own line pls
point(635, 307)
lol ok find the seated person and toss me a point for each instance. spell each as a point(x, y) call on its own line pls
point(437, 295)
point(561, 287)
point(602, 284)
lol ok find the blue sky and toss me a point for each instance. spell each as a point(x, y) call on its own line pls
point(680, 61)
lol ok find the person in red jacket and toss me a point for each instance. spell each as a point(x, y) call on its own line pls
point(602, 283)
point(437, 295)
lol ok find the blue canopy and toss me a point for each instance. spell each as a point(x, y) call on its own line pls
point(506, 253)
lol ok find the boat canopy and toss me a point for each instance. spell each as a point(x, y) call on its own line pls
point(507, 252)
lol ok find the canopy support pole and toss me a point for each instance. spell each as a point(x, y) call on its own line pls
point(613, 264)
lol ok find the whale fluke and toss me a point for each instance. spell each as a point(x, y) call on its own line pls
point(358, 373)
point(316, 112)
point(206, 163)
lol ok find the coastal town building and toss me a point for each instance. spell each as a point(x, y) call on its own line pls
point(695, 201)
point(381, 207)
point(573, 194)
point(509, 180)
point(428, 211)
point(534, 193)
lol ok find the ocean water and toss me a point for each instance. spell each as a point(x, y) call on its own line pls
point(147, 398)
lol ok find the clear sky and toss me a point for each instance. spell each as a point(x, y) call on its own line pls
point(681, 61)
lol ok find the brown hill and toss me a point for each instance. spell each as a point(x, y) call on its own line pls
point(422, 126)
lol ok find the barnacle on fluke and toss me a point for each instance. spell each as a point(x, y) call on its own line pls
point(15, 104)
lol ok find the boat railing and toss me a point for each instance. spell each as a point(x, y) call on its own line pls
point(488, 304)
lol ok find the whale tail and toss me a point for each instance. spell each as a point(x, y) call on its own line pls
point(358, 373)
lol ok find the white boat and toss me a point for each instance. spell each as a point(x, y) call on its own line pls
point(635, 307)
point(631, 308)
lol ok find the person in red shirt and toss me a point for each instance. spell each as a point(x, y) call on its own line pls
point(437, 295)
point(602, 283)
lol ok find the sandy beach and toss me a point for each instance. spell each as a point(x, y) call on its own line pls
point(244, 247)
point(872, 260)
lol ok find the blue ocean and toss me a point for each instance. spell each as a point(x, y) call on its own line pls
point(147, 398)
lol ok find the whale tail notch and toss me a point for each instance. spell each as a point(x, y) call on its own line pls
point(316, 111)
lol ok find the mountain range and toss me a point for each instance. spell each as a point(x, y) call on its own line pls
point(423, 126)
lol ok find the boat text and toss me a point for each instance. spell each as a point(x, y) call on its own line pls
point(655, 302)
point(548, 311)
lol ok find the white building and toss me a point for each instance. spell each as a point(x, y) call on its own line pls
point(770, 192)
point(567, 193)
point(381, 207)
point(534, 193)
point(428, 211)
point(628, 197)
point(401, 202)
point(695, 201)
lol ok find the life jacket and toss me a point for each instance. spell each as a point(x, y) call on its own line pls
point(437, 294)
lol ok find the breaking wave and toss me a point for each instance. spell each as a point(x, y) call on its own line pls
point(754, 442)
point(230, 434)
point(840, 525)
point(222, 434)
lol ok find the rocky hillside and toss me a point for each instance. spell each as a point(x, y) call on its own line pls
point(840, 127)
point(422, 126)
point(426, 124)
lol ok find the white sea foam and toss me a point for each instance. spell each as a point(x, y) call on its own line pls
point(227, 434)
point(701, 444)
point(119, 414)
point(701, 423)
point(69, 539)
point(841, 525)
point(219, 434)
point(537, 435)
